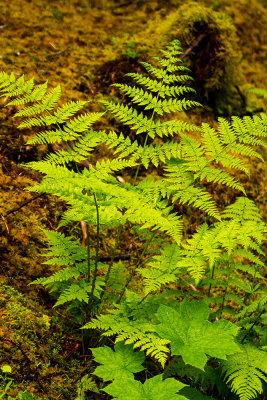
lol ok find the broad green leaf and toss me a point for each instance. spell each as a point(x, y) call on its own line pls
point(191, 334)
point(194, 394)
point(118, 364)
point(153, 389)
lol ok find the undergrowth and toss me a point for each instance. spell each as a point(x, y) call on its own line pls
point(189, 311)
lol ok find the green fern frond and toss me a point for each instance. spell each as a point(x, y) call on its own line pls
point(19, 87)
point(248, 130)
point(245, 372)
point(75, 291)
point(47, 103)
point(15, 87)
point(6, 80)
point(132, 330)
point(165, 75)
point(249, 256)
point(163, 269)
point(243, 209)
point(37, 93)
point(154, 86)
point(60, 276)
point(258, 305)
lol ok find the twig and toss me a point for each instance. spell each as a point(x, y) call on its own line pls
point(116, 257)
point(35, 372)
point(195, 43)
point(24, 204)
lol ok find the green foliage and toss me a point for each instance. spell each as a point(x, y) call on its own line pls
point(153, 389)
point(134, 323)
point(84, 385)
point(191, 334)
point(25, 396)
point(118, 364)
point(246, 371)
point(223, 253)
point(5, 380)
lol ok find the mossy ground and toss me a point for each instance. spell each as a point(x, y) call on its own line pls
point(86, 46)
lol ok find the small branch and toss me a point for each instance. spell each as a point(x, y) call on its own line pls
point(24, 204)
point(131, 2)
point(195, 44)
point(116, 257)
point(29, 362)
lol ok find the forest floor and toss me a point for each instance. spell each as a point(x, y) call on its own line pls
point(86, 46)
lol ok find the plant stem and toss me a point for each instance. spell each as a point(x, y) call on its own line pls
point(137, 265)
point(227, 282)
point(212, 275)
point(97, 248)
point(88, 254)
point(111, 261)
point(138, 168)
point(252, 326)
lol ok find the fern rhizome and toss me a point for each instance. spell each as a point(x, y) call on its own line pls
point(199, 297)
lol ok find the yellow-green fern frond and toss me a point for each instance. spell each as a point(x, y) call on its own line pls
point(245, 372)
point(35, 95)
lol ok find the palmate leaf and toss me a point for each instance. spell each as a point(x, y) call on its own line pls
point(118, 364)
point(191, 334)
point(153, 389)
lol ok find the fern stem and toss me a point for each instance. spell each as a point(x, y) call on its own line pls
point(212, 275)
point(151, 120)
point(252, 326)
point(88, 254)
point(97, 248)
point(137, 265)
point(139, 166)
point(111, 261)
point(227, 283)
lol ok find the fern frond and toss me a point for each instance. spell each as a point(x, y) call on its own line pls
point(6, 80)
point(215, 175)
point(163, 269)
point(47, 104)
point(164, 75)
point(180, 182)
point(133, 329)
point(243, 209)
point(37, 93)
point(154, 86)
point(245, 372)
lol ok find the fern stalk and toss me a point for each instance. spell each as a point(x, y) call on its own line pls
point(151, 120)
point(252, 326)
point(111, 262)
point(97, 249)
point(88, 254)
point(227, 283)
point(131, 275)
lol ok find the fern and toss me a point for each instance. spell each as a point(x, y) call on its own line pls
point(246, 371)
point(133, 323)
point(222, 255)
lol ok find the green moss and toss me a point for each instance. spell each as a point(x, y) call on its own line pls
point(35, 344)
point(81, 44)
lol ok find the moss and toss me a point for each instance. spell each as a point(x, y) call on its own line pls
point(35, 343)
point(80, 44)
point(20, 235)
